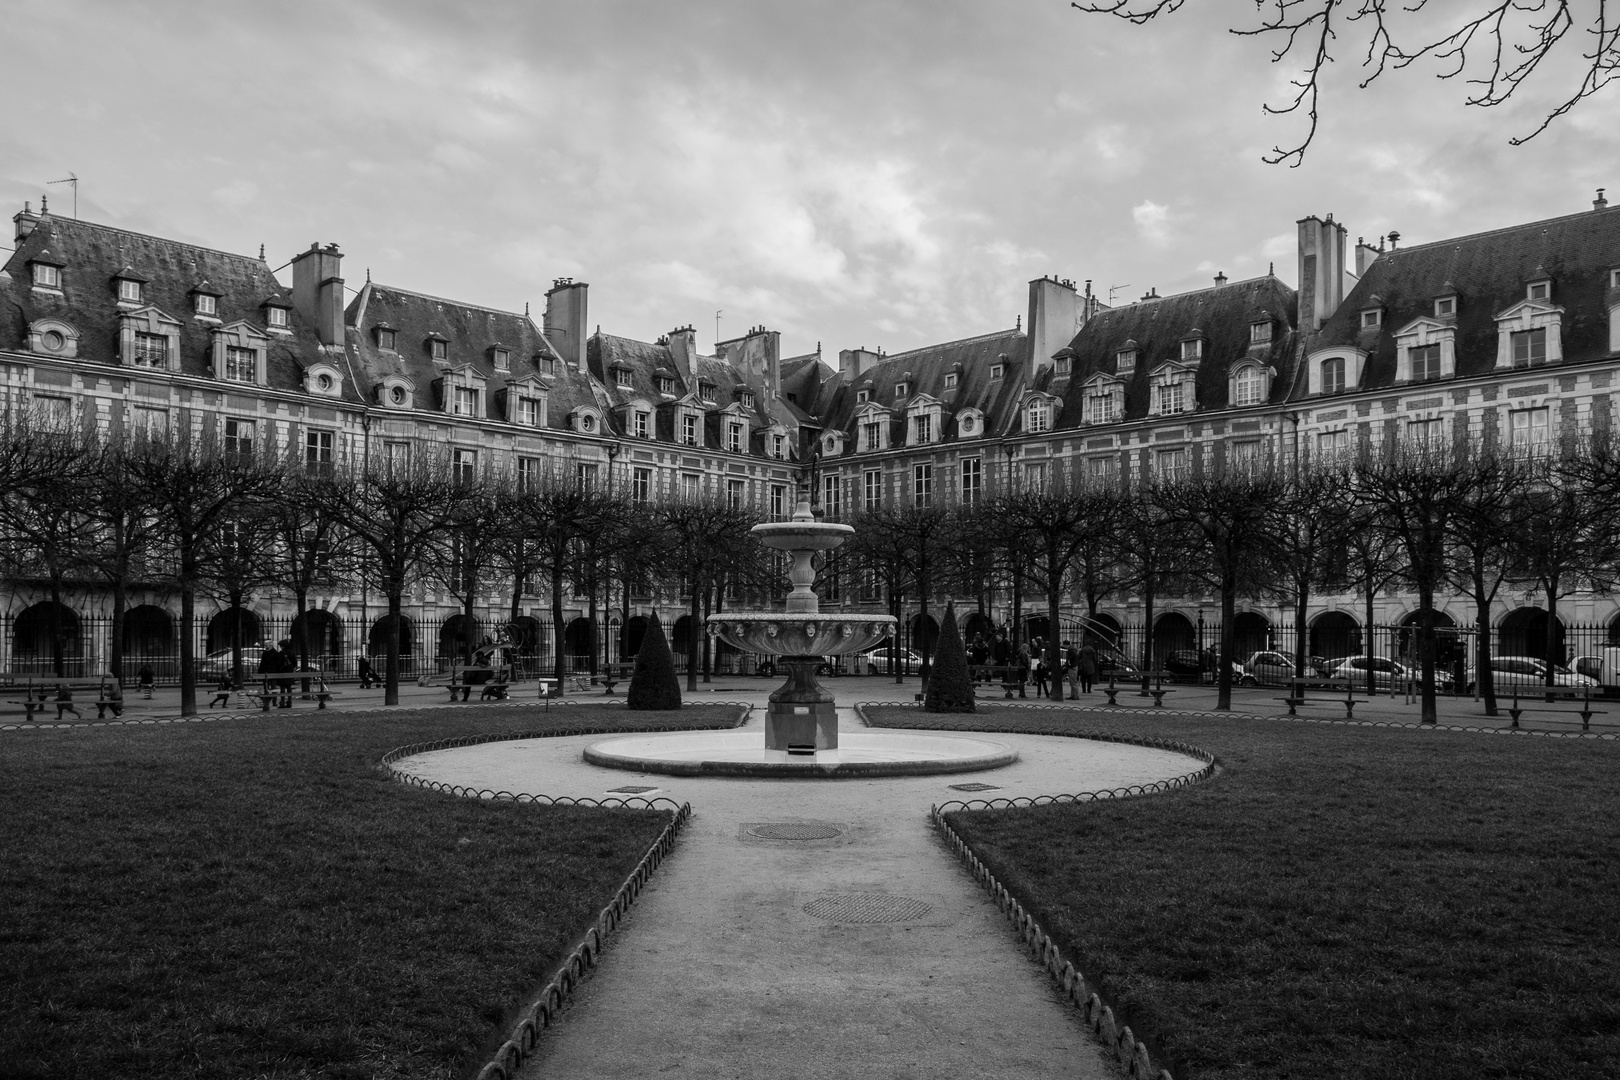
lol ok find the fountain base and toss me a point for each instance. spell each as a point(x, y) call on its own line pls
point(801, 717)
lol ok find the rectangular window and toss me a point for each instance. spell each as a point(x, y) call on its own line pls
point(997, 370)
point(1259, 333)
point(689, 430)
point(972, 481)
point(1246, 456)
point(778, 500)
point(666, 385)
point(151, 350)
point(399, 457)
point(318, 451)
point(585, 473)
point(241, 365)
point(464, 465)
point(1529, 429)
point(922, 485)
point(1372, 319)
point(54, 411)
point(870, 589)
point(706, 391)
point(1333, 375)
point(779, 446)
point(831, 496)
point(925, 429)
point(276, 317)
point(734, 494)
point(1100, 470)
point(503, 360)
point(1530, 347)
point(207, 305)
point(1331, 445)
point(150, 421)
point(734, 438)
point(872, 435)
point(385, 340)
point(1425, 362)
point(872, 481)
point(1426, 434)
point(950, 380)
point(639, 427)
point(1170, 397)
point(1125, 362)
point(440, 350)
point(466, 401)
point(1101, 408)
point(901, 390)
point(47, 277)
point(1064, 363)
point(1445, 306)
point(1540, 290)
point(1192, 350)
point(1040, 415)
point(1035, 475)
point(641, 485)
point(529, 411)
point(691, 486)
point(129, 290)
point(1171, 465)
point(238, 437)
point(862, 396)
point(528, 474)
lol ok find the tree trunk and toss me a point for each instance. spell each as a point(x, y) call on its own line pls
point(115, 647)
point(467, 605)
point(1223, 677)
point(559, 645)
point(708, 654)
point(1426, 651)
point(1302, 600)
point(1550, 649)
point(188, 649)
point(57, 661)
point(1367, 641)
point(1054, 582)
point(692, 639)
point(1147, 631)
point(235, 596)
point(391, 659)
point(1484, 683)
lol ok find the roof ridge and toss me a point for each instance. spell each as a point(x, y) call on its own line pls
point(81, 223)
point(1500, 230)
point(446, 300)
point(949, 344)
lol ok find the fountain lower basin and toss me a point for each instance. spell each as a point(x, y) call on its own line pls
point(857, 754)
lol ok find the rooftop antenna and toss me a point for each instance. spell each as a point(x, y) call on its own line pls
point(717, 326)
point(74, 180)
point(1112, 289)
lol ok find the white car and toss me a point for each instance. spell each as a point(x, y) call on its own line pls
point(881, 661)
point(1527, 672)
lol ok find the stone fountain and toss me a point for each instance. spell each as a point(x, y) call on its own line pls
point(801, 718)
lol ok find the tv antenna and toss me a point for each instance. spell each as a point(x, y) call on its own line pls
point(717, 326)
point(1112, 289)
point(73, 179)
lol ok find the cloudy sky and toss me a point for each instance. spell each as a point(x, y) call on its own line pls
point(851, 173)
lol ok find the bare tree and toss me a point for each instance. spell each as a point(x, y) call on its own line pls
point(1312, 517)
point(702, 536)
point(557, 512)
point(1485, 525)
point(1494, 46)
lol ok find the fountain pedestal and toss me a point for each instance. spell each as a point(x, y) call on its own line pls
point(802, 716)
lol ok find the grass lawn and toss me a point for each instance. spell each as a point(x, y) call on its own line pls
point(1338, 901)
point(254, 898)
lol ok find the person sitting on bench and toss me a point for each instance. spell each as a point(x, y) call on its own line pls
point(112, 695)
point(145, 679)
point(222, 691)
point(64, 702)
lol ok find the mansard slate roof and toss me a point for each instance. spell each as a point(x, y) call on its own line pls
point(92, 256)
point(470, 332)
point(970, 358)
point(1488, 273)
point(647, 360)
point(1222, 314)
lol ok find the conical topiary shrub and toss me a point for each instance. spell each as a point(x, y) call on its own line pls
point(950, 687)
point(653, 684)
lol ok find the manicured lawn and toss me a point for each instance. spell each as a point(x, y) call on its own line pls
point(1338, 901)
point(254, 898)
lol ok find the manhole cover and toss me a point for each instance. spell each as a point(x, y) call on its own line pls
point(795, 830)
point(974, 787)
point(630, 789)
point(866, 908)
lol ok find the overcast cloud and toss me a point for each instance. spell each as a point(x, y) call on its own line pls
point(879, 174)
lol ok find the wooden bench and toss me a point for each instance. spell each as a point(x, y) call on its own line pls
point(1296, 695)
point(40, 696)
point(273, 691)
point(1582, 694)
point(1005, 674)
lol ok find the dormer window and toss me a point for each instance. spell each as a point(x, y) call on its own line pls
point(205, 304)
point(1170, 398)
point(1530, 347)
point(1038, 417)
point(528, 411)
point(129, 291)
point(639, 426)
point(734, 438)
point(386, 338)
point(779, 447)
point(1171, 389)
point(587, 422)
point(241, 365)
point(1372, 318)
point(1064, 364)
point(1333, 375)
point(689, 429)
point(47, 276)
point(997, 370)
point(439, 350)
point(707, 391)
point(151, 351)
point(1260, 332)
point(1125, 361)
point(969, 425)
point(862, 396)
point(502, 359)
point(1192, 348)
point(1249, 385)
point(951, 380)
point(1445, 307)
point(1103, 404)
point(466, 401)
point(1425, 362)
point(901, 389)
point(872, 435)
point(1614, 279)
point(275, 317)
point(746, 399)
point(546, 363)
point(621, 377)
point(1539, 290)
point(666, 385)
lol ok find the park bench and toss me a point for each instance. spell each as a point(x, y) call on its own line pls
point(1005, 674)
point(39, 696)
point(1156, 691)
point(1296, 695)
point(271, 690)
point(1582, 694)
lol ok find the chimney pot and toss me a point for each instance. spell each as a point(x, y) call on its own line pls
point(1220, 279)
point(1394, 238)
point(1600, 202)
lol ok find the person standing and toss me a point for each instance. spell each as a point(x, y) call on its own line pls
point(1087, 665)
point(1001, 654)
point(1071, 668)
point(269, 667)
point(1039, 649)
point(1023, 667)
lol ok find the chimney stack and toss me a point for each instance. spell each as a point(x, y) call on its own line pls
point(1220, 279)
point(24, 220)
point(1600, 202)
point(318, 291)
point(1321, 269)
point(682, 348)
point(1365, 254)
point(1055, 316)
point(564, 320)
point(853, 363)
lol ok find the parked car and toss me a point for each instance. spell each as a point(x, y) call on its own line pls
point(1269, 669)
point(1193, 662)
point(829, 666)
point(1109, 659)
point(1387, 673)
point(1521, 672)
point(217, 664)
point(881, 662)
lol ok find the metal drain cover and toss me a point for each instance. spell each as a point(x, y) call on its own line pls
point(974, 787)
point(795, 830)
point(867, 908)
point(630, 789)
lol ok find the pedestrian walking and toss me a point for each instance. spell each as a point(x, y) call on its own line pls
point(1023, 667)
point(1071, 667)
point(1041, 672)
point(1001, 654)
point(64, 702)
point(367, 673)
point(222, 691)
point(1087, 665)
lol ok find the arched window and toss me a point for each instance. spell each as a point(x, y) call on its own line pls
point(1333, 375)
point(1040, 415)
point(1249, 386)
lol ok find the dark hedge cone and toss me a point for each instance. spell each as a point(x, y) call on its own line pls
point(653, 683)
point(950, 689)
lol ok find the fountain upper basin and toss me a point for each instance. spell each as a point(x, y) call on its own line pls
point(790, 633)
point(802, 535)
